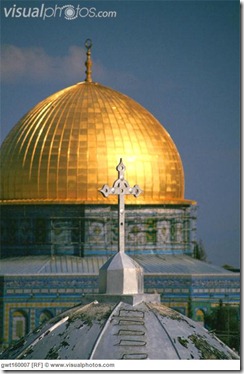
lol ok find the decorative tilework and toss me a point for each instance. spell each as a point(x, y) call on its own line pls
point(91, 230)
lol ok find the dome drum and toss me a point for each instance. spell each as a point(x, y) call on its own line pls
point(85, 230)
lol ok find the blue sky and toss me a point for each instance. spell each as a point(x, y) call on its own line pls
point(179, 59)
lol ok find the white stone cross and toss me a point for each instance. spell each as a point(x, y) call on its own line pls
point(121, 188)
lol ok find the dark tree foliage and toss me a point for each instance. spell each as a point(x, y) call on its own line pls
point(224, 321)
point(231, 268)
point(199, 251)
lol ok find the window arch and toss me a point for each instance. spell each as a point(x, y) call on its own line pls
point(45, 316)
point(200, 316)
point(19, 325)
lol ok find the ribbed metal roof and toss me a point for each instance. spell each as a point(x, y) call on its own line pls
point(176, 264)
point(164, 264)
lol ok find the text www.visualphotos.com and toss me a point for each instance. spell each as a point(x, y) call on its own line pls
point(68, 12)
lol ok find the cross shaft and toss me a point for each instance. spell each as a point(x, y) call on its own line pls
point(121, 188)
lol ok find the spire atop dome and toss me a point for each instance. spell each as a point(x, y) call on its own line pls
point(88, 63)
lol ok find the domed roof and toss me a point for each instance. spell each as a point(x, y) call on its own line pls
point(65, 148)
point(110, 330)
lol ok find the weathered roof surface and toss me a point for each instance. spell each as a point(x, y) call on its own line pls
point(151, 263)
point(120, 331)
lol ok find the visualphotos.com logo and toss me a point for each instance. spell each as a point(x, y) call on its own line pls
point(68, 12)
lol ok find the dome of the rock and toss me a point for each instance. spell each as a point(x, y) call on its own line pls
point(64, 213)
point(65, 148)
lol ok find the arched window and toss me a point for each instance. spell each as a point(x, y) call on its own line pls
point(20, 324)
point(45, 316)
point(200, 316)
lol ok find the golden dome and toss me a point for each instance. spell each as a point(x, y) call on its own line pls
point(67, 147)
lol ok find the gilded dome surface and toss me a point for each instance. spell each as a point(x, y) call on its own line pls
point(67, 147)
